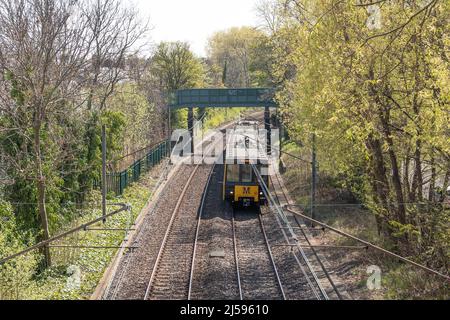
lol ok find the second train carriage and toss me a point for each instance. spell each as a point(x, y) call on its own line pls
point(241, 186)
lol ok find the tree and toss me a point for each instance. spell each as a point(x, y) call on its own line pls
point(175, 67)
point(376, 95)
point(48, 51)
point(115, 31)
point(43, 48)
point(269, 12)
point(239, 56)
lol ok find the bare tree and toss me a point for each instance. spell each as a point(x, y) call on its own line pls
point(51, 52)
point(43, 45)
point(269, 13)
point(115, 30)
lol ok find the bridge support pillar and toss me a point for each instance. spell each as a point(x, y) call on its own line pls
point(268, 130)
point(190, 124)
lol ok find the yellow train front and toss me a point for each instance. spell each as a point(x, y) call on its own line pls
point(243, 155)
point(241, 186)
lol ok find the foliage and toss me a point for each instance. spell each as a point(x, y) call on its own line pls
point(176, 67)
point(217, 116)
point(141, 126)
point(13, 274)
point(60, 61)
point(372, 103)
point(52, 283)
point(374, 92)
point(238, 58)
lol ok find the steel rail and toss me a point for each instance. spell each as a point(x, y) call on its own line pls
point(236, 258)
point(197, 231)
point(281, 214)
point(122, 272)
point(368, 244)
point(272, 260)
point(330, 280)
point(163, 176)
point(307, 240)
point(125, 207)
point(308, 280)
point(169, 229)
point(152, 209)
point(283, 217)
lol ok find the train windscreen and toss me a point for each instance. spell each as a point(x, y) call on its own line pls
point(246, 173)
point(233, 173)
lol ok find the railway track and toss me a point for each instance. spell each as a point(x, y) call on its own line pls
point(260, 264)
point(172, 269)
point(165, 242)
point(162, 267)
point(193, 246)
point(201, 249)
point(131, 279)
point(172, 272)
point(214, 269)
point(233, 258)
point(319, 281)
point(257, 273)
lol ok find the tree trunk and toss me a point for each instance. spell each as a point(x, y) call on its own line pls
point(431, 190)
point(445, 185)
point(40, 183)
point(406, 185)
point(401, 212)
point(418, 179)
point(396, 179)
point(379, 182)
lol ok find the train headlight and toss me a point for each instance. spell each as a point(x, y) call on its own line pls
point(231, 192)
point(260, 193)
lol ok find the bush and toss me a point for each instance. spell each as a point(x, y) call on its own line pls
point(15, 274)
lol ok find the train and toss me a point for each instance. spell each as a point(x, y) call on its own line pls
point(244, 153)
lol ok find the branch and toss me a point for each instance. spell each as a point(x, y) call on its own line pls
point(403, 25)
point(368, 4)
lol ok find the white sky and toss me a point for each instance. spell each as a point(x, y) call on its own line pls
point(195, 21)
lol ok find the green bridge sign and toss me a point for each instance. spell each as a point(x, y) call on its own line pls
point(246, 97)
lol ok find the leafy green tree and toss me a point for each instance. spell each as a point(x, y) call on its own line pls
point(176, 67)
point(374, 90)
point(238, 56)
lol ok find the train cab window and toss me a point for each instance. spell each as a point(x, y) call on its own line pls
point(233, 173)
point(246, 173)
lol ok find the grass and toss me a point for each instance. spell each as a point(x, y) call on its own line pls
point(76, 272)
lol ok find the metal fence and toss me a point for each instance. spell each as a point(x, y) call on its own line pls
point(117, 181)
